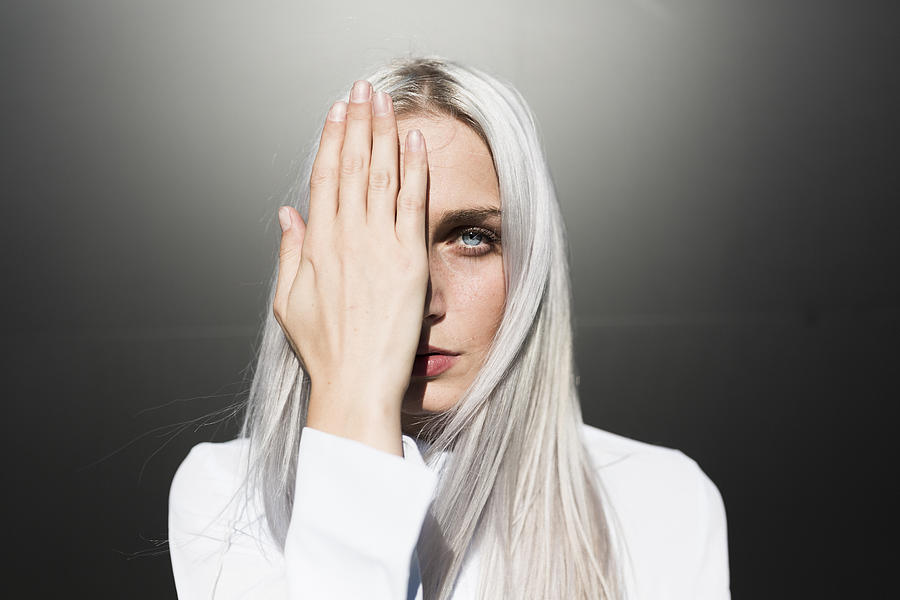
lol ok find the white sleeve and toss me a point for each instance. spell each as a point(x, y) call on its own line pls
point(356, 519)
point(712, 578)
point(357, 516)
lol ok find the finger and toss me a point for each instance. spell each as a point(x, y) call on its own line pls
point(324, 179)
point(355, 154)
point(410, 226)
point(384, 171)
point(292, 235)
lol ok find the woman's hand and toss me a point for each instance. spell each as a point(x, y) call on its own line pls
point(351, 283)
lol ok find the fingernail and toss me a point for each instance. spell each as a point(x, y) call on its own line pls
point(361, 91)
point(284, 217)
point(338, 111)
point(382, 103)
point(414, 140)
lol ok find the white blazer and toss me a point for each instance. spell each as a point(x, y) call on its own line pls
point(358, 511)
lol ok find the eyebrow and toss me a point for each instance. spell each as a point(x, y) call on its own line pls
point(464, 215)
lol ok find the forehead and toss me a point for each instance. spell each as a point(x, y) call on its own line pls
point(460, 167)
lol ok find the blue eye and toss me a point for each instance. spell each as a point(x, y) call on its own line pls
point(469, 233)
point(477, 241)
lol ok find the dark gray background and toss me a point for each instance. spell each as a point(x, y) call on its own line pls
point(727, 171)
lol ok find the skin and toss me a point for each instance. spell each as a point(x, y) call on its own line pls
point(379, 271)
point(467, 292)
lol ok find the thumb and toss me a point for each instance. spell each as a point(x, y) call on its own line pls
point(293, 230)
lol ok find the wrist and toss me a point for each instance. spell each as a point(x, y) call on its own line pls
point(371, 421)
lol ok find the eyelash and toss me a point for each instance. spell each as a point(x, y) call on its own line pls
point(491, 239)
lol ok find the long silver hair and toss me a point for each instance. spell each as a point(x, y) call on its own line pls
point(519, 481)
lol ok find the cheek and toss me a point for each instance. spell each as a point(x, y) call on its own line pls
point(475, 292)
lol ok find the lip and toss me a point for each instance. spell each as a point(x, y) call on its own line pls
point(433, 363)
point(422, 350)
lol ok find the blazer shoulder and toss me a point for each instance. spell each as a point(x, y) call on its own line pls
point(671, 513)
point(646, 467)
point(208, 479)
point(607, 448)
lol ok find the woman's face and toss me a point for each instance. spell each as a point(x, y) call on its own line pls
point(467, 289)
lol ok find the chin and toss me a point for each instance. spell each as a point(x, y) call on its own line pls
point(413, 416)
point(422, 398)
point(418, 406)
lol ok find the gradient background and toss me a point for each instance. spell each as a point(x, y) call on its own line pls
point(727, 171)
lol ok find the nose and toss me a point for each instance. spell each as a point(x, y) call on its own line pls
point(435, 304)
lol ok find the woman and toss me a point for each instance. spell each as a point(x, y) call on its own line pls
point(413, 429)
